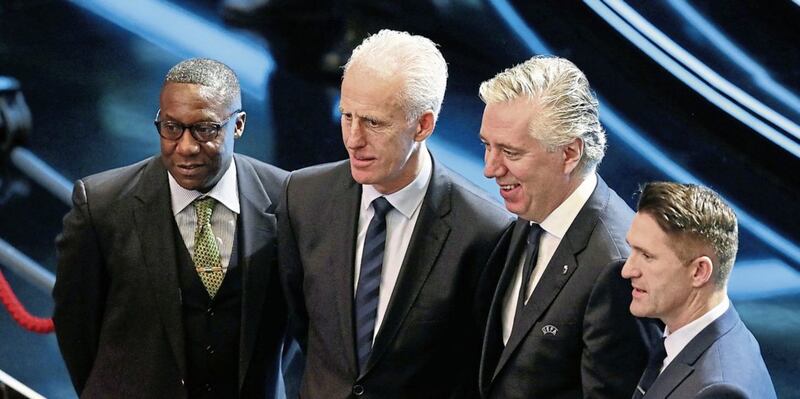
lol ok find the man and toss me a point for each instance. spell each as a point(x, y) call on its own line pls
point(383, 252)
point(557, 325)
point(167, 284)
point(684, 239)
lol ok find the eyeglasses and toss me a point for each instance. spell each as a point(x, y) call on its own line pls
point(201, 131)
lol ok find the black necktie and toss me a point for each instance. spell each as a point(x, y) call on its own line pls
point(532, 251)
point(369, 280)
point(652, 370)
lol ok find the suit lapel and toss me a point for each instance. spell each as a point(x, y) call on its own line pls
point(430, 234)
point(257, 228)
point(683, 364)
point(559, 270)
point(343, 223)
point(154, 224)
point(545, 292)
point(494, 325)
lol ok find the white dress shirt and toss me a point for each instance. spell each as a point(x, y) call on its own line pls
point(400, 223)
point(677, 340)
point(554, 228)
point(223, 218)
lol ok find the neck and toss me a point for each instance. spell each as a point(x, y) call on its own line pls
point(571, 184)
point(698, 305)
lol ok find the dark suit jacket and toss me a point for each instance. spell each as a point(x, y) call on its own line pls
point(597, 350)
point(428, 345)
point(117, 299)
point(722, 361)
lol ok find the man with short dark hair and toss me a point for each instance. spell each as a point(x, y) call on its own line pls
point(167, 284)
point(683, 241)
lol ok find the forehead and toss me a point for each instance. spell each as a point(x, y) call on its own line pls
point(508, 118)
point(187, 96)
point(646, 232)
point(366, 90)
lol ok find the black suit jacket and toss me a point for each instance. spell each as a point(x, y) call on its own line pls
point(576, 337)
point(117, 298)
point(428, 345)
point(722, 361)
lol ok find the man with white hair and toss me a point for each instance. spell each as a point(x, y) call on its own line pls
point(558, 325)
point(382, 253)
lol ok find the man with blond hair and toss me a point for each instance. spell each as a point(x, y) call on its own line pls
point(382, 253)
point(558, 326)
point(683, 241)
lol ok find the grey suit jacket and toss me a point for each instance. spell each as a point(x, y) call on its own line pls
point(722, 361)
point(576, 337)
point(117, 299)
point(428, 345)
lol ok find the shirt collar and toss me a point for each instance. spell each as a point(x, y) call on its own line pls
point(407, 199)
point(557, 222)
point(225, 192)
point(677, 340)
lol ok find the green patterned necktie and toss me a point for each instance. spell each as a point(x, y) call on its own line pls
point(206, 252)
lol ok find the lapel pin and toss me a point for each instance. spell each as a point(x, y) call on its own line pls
point(565, 269)
point(549, 329)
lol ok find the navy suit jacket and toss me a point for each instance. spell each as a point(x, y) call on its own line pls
point(722, 361)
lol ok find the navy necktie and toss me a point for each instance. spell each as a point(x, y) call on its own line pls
point(652, 370)
point(532, 251)
point(369, 280)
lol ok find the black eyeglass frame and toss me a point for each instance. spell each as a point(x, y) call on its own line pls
point(192, 128)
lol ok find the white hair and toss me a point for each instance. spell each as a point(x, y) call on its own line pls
point(571, 109)
point(416, 58)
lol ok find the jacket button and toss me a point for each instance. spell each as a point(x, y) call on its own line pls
point(183, 382)
point(358, 390)
point(210, 311)
point(210, 350)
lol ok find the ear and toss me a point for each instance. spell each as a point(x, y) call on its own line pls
point(573, 151)
point(240, 120)
point(702, 271)
point(425, 126)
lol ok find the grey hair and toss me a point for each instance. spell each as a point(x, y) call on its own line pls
point(570, 106)
point(209, 73)
point(416, 58)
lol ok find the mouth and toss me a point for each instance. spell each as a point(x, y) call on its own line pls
point(361, 160)
point(638, 292)
point(189, 168)
point(508, 187)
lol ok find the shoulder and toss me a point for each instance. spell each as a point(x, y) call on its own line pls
point(118, 182)
point(469, 201)
point(338, 169)
point(268, 173)
point(733, 363)
point(321, 178)
point(612, 220)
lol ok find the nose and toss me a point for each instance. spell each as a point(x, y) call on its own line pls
point(628, 270)
point(354, 134)
point(186, 144)
point(493, 166)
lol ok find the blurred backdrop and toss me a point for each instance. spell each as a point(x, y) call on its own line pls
point(692, 91)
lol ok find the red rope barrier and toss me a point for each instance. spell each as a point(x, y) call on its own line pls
point(18, 312)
